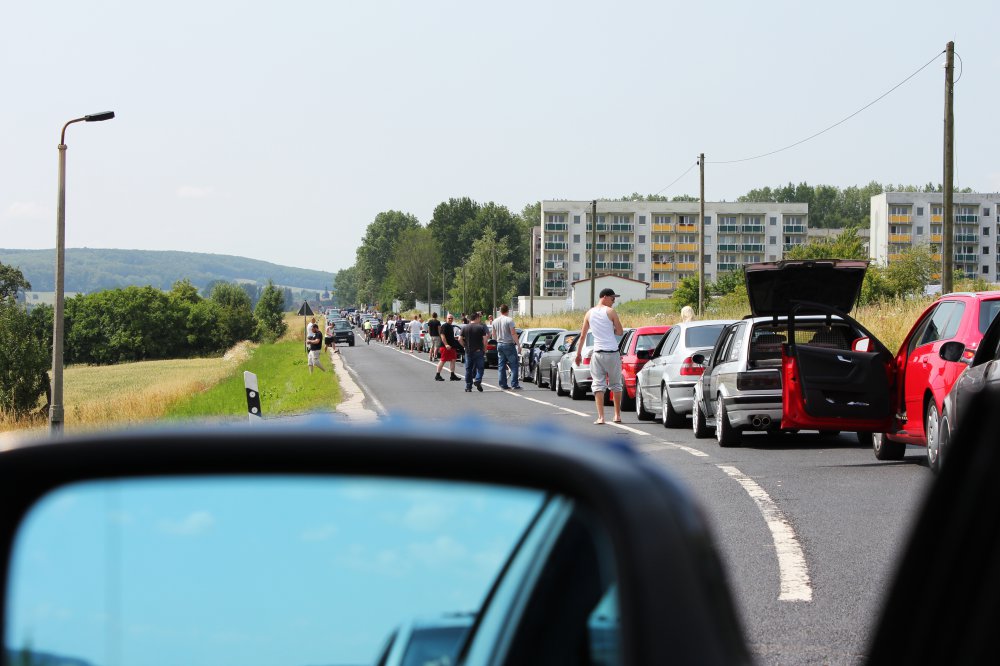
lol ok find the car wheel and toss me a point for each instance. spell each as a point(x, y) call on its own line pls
point(552, 379)
point(698, 421)
point(577, 393)
point(885, 448)
point(559, 385)
point(932, 426)
point(640, 408)
point(538, 376)
point(944, 438)
point(671, 419)
point(724, 432)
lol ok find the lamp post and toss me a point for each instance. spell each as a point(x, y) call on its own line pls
point(56, 407)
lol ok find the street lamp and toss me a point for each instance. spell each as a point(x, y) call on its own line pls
point(56, 407)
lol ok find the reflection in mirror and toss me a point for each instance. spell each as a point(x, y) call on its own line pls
point(254, 570)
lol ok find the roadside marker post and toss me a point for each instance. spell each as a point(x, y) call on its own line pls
point(253, 396)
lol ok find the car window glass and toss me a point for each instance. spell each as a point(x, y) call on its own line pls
point(647, 341)
point(703, 336)
point(736, 344)
point(253, 570)
point(623, 342)
point(943, 323)
point(722, 347)
point(987, 313)
point(674, 339)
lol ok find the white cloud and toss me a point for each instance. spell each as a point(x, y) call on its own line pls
point(28, 210)
point(321, 533)
point(193, 192)
point(194, 524)
point(442, 551)
point(426, 516)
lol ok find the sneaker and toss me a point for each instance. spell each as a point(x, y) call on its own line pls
point(438, 378)
point(479, 386)
point(455, 378)
point(518, 388)
point(504, 388)
point(468, 389)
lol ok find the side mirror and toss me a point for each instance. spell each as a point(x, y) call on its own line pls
point(953, 351)
point(644, 353)
point(862, 345)
point(562, 348)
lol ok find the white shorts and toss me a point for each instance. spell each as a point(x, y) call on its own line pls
point(314, 357)
point(606, 372)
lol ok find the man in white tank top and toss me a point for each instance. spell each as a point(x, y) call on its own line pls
point(605, 362)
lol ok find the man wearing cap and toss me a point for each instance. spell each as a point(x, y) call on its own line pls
point(605, 363)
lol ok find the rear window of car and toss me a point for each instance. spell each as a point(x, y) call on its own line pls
point(987, 313)
point(702, 336)
point(341, 325)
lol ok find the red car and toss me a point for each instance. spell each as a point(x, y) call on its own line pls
point(924, 378)
point(636, 348)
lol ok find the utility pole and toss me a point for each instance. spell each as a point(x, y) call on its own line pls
point(701, 239)
point(463, 291)
point(593, 251)
point(948, 217)
point(493, 312)
point(443, 314)
point(531, 278)
point(428, 294)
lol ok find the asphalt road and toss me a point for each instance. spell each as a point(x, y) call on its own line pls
point(809, 527)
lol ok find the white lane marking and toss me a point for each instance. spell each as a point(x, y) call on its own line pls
point(692, 451)
point(664, 445)
point(792, 569)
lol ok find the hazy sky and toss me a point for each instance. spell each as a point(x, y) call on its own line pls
point(278, 130)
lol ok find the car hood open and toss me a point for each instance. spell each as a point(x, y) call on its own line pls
point(773, 286)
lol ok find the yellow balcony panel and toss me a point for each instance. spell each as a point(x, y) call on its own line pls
point(900, 219)
point(662, 285)
point(935, 276)
point(663, 247)
point(895, 257)
point(935, 218)
point(687, 247)
point(687, 228)
point(936, 257)
point(687, 267)
point(900, 238)
point(935, 238)
point(662, 266)
point(664, 228)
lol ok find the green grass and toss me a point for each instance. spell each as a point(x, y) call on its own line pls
point(285, 383)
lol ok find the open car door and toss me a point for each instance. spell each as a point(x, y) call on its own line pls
point(836, 387)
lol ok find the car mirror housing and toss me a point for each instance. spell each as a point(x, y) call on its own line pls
point(952, 351)
point(171, 529)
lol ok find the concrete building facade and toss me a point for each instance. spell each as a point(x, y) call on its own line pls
point(657, 241)
point(902, 220)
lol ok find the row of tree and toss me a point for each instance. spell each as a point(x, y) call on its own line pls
point(129, 324)
point(467, 247)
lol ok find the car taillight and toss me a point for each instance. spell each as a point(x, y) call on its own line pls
point(689, 367)
point(586, 360)
point(968, 355)
point(758, 381)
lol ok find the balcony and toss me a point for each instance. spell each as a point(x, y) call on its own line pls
point(555, 284)
point(614, 247)
point(728, 247)
point(687, 266)
point(936, 238)
point(936, 217)
point(661, 285)
point(663, 228)
point(752, 247)
point(791, 246)
point(936, 257)
point(556, 226)
point(966, 238)
point(555, 264)
point(966, 258)
point(795, 229)
point(663, 247)
point(901, 219)
point(556, 246)
point(900, 238)
point(663, 265)
point(966, 219)
point(613, 265)
point(621, 227)
point(687, 228)
point(728, 267)
point(895, 257)
point(752, 228)
point(729, 228)
point(687, 247)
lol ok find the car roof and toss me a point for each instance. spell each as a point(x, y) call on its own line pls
point(642, 330)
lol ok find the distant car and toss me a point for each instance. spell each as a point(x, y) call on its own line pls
point(545, 367)
point(983, 372)
point(799, 362)
point(925, 376)
point(636, 349)
point(532, 340)
point(343, 332)
point(427, 642)
point(665, 385)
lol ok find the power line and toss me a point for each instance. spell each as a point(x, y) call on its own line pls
point(840, 122)
point(678, 178)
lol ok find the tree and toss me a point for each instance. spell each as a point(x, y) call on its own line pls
point(448, 227)
point(488, 259)
point(416, 260)
point(686, 293)
point(269, 314)
point(911, 272)
point(235, 314)
point(24, 360)
point(728, 283)
point(846, 245)
point(11, 282)
point(376, 250)
point(346, 286)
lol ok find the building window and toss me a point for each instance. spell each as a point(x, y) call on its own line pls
point(708, 220)
point(642, 219)
point(773, 221)
point(920, 210)
point(576, 238)
point(986, 250)
point(772, 240)
point(642, 258)
point(920, 230)
point(642, 276)
point(576, 276)
point(708, 259)
point(708, 240)
point(576, 257)
point(642, 239)
point(986, 270)
point(986, 212)
point(986, 231)
point(576, 219)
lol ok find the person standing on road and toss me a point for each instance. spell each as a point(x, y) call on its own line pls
point(606, 363)
point(449, 348)
point(474, 337)
point(434, 331)
point(330, 338)
point(401, 332)
point(505, 333)
point(315, 343)
point(415, 327)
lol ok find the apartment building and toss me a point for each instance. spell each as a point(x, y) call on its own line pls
point(657, 241)
point(901, 220)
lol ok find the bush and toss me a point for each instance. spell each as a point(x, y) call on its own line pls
point(24, 361)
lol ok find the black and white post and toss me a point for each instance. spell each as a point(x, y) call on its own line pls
point(253, 396)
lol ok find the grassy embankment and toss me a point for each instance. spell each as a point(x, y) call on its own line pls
point(132, 393)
